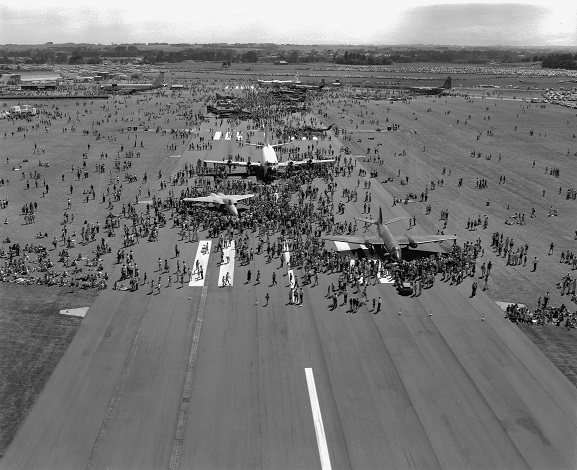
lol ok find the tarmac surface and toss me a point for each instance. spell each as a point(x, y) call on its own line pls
point(217, 377)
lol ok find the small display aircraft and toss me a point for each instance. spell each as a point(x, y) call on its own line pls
point(392, 243)
point(220, 200)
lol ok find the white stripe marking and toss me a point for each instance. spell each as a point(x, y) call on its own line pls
point(77, 312)
point(343, 246)
point(287, 257)
point(227, 267)
point(318, 420)
point(217, 135)
point(202, 255)
point(228, 136)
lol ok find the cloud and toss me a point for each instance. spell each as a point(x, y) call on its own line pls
point(298, 22)
point(478, 25)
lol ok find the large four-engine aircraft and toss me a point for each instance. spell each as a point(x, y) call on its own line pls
point(392, 243)
point(275, 82)
point(308, 86)
point(268, 164)
point(222, 200)
point(431, 90)
point(135, 87)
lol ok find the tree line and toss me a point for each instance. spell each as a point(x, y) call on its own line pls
point(383, 55)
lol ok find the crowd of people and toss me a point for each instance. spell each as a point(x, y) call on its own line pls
point(544, 315)
point(31, 264)
point(279, 222)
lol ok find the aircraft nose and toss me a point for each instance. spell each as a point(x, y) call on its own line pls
point(233, 210)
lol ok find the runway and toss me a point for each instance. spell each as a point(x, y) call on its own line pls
point(208, 376)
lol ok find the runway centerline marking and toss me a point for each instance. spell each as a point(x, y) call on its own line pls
point(227, 267)
point(318, 420)
point(183, 413)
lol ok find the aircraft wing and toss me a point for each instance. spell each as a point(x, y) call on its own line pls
point(225, 162)
point(200, 199)
point(239, 197)
point(405, 240)
point(303, 162)
point(273, 146)
point(360, 240)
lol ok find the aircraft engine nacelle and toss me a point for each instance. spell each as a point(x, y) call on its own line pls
point(412, 242)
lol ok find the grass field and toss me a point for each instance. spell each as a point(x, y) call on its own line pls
point(34, 336)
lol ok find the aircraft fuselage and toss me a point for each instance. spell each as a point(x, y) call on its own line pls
point(391, 245)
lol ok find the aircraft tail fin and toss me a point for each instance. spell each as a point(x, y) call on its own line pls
point(447, 84)
point(266, 136)
point(158, 81)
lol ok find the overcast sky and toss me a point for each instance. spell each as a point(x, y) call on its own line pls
point(452, 22)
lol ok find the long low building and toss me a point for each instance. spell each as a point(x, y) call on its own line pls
point(31, 81)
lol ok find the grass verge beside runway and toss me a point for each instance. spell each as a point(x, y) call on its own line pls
point(557, 344)
point(33, 338)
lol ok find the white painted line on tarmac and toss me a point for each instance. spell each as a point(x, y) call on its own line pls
point(292, 279)
point(227, 267)
point(290, 272)
point(75, 312)
point(202, 255)
point(217, 135)
point(228, 136)
point(343, 246)
point(502, 305)
point(386, 280)
point(318, 420)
